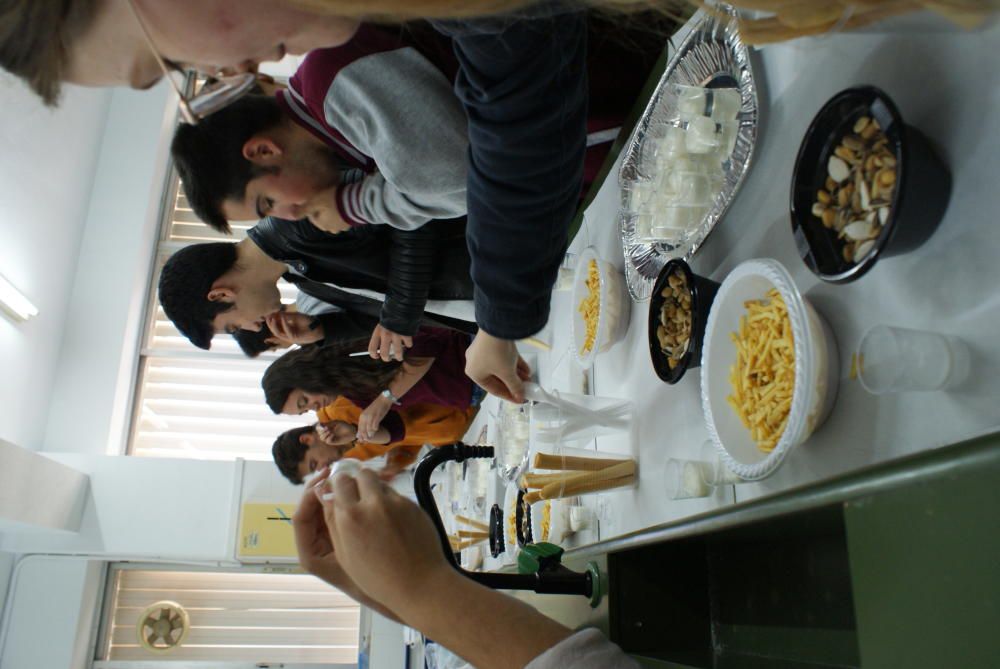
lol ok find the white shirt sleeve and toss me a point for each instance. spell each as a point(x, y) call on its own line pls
point(587, 649)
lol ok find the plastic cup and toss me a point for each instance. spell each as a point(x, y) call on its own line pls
point(511, 440)
point(581, 418)
point(684, 479)
point(895, 360)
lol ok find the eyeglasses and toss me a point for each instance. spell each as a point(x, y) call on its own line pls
point(212, 97)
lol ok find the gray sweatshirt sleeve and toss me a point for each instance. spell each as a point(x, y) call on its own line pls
point(587, 649)
point(399, 109)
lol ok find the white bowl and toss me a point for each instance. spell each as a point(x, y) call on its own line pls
point(816, 368)
point(614, 307)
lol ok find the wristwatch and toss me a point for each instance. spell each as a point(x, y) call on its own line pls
point(389, 396)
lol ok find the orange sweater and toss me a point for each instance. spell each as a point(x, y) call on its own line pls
point(420, 424)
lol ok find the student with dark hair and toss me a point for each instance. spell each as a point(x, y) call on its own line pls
point(299, 324)
point(209, 159)
point(404, 432)
point(521, 81)
point(223, 287)
point(311, 378)
point(366, 133)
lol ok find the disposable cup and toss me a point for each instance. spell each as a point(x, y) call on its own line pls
point(683, 479)
point(895, 360)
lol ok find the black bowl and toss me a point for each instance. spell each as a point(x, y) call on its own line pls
point(923, 185)
point(497, 544)
point(702, 294)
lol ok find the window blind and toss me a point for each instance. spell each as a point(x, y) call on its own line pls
point(191, 403)
point(255, 617)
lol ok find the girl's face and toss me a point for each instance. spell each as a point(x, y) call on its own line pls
point(300, 401)
point(208, 35)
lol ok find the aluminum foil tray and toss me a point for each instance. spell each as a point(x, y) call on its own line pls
point(712, 55)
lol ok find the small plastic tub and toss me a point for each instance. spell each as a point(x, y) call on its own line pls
point(613, 308)
point(816, 366)
point(702, 293)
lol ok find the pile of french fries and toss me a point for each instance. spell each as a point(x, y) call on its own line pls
point(572, 476)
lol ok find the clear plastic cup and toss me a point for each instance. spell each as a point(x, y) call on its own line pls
point(683, 479)
point(578, 418)
point(894, 360)
point(512, 440)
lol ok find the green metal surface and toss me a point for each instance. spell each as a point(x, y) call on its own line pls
point(598, 584)
point(925, 562)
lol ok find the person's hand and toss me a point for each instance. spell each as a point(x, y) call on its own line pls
point(495, 365)
point(293, 328)
point(336, 434)
point(314, 542)
point(371, 417)
point(388, 472)
point(386, 544)
point(312, 537)
point(384, 341)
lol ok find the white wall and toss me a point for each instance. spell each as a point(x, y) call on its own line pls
point(146, 508)
point(51, 632)
point(47, 160)
point(75, 237)
point(90, 395)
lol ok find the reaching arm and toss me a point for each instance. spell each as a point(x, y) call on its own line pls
point(410, 372)
point(316, 551)
point(388, 545)
point(523, 84)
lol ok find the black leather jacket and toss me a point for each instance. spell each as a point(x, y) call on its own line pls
point(409, 266)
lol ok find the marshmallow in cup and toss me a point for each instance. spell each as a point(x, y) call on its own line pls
point(348, 466)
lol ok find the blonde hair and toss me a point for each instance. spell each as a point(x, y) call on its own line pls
point(35, 36)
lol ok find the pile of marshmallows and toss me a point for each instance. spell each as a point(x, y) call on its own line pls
point(680, 165)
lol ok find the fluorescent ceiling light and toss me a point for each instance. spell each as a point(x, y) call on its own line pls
point(14, 303)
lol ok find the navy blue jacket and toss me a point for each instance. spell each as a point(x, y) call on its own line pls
point(523, 83)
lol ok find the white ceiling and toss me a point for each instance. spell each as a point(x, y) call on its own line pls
point(47, 160)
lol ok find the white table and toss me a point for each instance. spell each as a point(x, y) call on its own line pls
point(947, 85)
